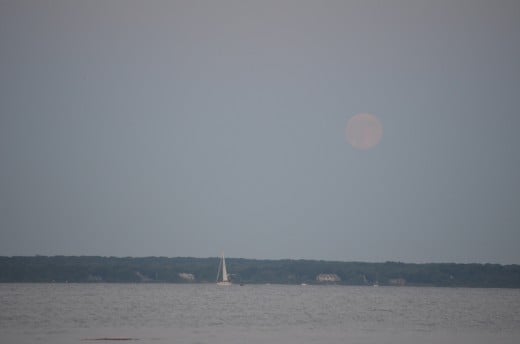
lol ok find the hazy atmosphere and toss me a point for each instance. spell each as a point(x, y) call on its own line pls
point(184, 128)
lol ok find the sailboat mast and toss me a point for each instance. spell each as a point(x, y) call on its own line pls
point(218, 272)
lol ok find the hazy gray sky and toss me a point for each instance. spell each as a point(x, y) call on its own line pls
point(183, 128)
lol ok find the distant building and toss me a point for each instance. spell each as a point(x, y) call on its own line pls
point(142, 277)
point(327, 278)
point(397, 281)
point(94, 278)
point(187, 277)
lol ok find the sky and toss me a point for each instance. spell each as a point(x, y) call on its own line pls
point(188, 128)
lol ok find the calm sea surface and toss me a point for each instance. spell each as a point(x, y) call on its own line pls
point(195, 314)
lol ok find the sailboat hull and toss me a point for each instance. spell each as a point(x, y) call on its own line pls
point(224, 283)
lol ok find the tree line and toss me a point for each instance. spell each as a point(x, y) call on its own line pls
point(80, 269)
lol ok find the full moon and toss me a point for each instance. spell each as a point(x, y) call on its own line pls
point(364, 131)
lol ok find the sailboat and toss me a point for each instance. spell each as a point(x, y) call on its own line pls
point(222, 266)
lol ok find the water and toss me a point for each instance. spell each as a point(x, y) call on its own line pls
point(196, 314)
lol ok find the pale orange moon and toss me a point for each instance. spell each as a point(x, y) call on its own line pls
point(364, 131)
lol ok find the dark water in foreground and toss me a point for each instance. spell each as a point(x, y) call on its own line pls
point(196, 314)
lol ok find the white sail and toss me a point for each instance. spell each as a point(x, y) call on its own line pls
point(224, 270)
point(225, 279)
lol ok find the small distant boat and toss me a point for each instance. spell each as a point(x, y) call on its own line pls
point(222, 267)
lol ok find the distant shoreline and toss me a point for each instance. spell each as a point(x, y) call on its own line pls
point(97, 269)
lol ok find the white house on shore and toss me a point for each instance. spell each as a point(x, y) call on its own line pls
point(327, 278)
point(187, 277)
